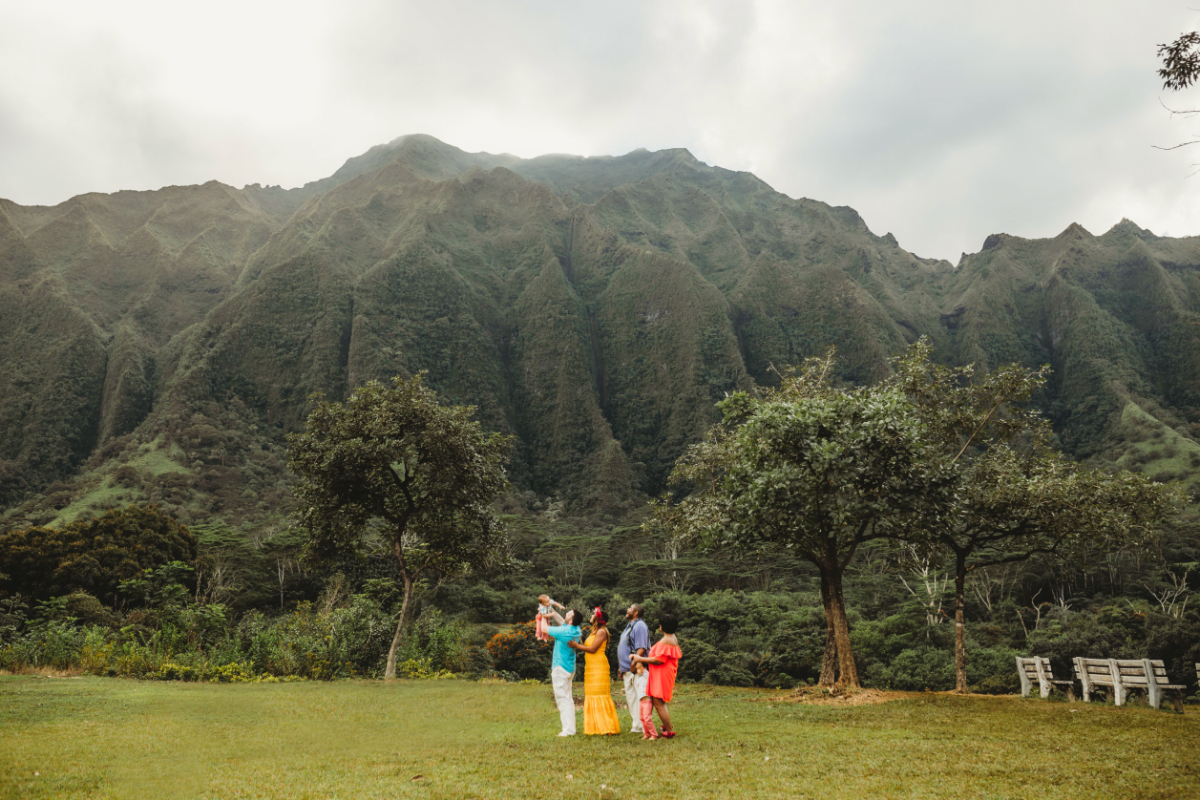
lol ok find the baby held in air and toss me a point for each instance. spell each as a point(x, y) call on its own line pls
point(542, 621)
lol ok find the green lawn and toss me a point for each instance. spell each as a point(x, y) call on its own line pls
point(109, 738)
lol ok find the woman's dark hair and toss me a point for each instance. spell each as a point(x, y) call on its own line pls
point(603, 620)
point(669, 623)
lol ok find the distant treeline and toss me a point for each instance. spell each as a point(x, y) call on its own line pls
point(220, 605)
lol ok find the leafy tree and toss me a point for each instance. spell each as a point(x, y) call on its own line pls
point(1016, 497)
point(1180, 61)
point(819, 471)
point(393, 460)
point(572, 559)
point(1180, 69)
point(92, 555)
point(161, 587)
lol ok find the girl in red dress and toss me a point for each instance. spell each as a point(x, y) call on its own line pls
point(663, 661)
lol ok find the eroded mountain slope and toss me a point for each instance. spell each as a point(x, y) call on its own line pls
point(157, 345)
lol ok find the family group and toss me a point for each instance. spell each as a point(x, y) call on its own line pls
point(648, 673)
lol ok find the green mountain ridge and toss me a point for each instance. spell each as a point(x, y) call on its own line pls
point(158, 345)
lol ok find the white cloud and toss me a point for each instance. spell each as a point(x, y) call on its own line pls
point(939, 121)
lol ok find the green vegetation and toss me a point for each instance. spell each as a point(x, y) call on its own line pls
point(396, 464)
point(162, 635)
point(91, 738)
point(104, 495)
point(593, 308)
point(820, 472)
point(160, 346)
point(92, 555)
point(1015, 496)
point(1156, 450)
point(944, 467)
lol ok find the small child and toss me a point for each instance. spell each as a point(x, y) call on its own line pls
point(645, 704)
point(542, 620)
point(663, 662)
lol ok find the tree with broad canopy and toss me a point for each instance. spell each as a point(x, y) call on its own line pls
point(1015, 496)
point(396, 460)
point(936, 458)
point(816, 470)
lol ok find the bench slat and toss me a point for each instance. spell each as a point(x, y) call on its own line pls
point(1037, 671)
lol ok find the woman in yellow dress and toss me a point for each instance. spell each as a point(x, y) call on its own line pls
point(599, 713)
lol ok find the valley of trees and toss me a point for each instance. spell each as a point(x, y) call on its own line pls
point(164, 345)
point(799, 500)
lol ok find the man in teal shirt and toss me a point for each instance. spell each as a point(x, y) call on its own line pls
point(562, 669)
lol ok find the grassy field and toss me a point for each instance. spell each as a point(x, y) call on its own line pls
point(108, 738)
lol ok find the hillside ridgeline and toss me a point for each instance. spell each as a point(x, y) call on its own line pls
point(158, 345)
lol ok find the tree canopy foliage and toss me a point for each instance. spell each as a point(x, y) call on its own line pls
point(92, 555)
point(819, 470)
point(1180, 61)
point(1015, 496)
point(395, 461)
point(934, 457)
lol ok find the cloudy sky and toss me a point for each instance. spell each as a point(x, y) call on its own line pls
point(941, 122)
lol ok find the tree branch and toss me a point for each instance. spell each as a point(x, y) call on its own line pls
point(967, 444)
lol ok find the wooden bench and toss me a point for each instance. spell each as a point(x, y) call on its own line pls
point(1037, 670)
point(1096, 675)
point(1119, 677)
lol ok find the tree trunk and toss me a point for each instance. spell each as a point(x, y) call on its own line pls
point(829, 662)
point(847, 669)
point(389, 673)
point(960, 627)
point(835, 615)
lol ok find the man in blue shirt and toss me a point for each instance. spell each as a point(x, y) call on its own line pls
point(634, 639)
point(562, 669)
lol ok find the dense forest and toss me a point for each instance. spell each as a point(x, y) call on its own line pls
point(159, 346)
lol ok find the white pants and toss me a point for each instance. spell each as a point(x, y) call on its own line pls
point(561, 680)
point(635, 690)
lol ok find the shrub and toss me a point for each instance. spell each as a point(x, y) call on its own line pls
point(170, 671)
point(230, 673)
point(1175, 640)
point(55, 644)
point(699, 659)
point(88, 610)
point(321, 646)
point(422, 669)
point(729, 675)
point(96, 652)
point(792, 657)
point(1108, 633)
point(993, 670)
point(918, 669)
point(477, 602)
point(434, 639)
point(518, 651)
